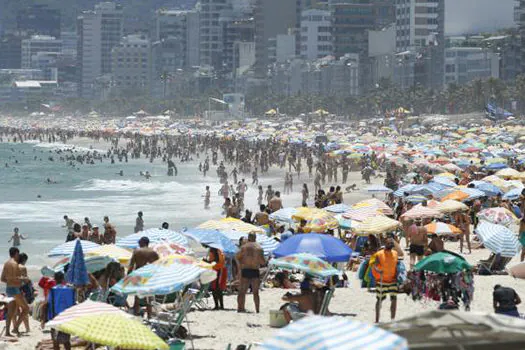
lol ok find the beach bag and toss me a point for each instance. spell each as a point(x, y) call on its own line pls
point(401, 272)
point(29, 292)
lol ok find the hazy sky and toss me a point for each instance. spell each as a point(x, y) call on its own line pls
point(471, 16)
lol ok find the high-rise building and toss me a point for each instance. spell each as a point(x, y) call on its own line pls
point(131, 64)
point(420, 27)
point(316, 34)
point(212, 17)
point(39, 20)
point(10, 51)
point(38, 44)
point(98, 32)
point(464, 64)
point(519, 17)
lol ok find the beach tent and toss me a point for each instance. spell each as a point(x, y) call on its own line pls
point(439, 329)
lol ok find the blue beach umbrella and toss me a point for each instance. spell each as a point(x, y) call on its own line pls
point(416, 198)
point(333, 333)
point(212, 238)
point(77, 273)
point(267, 244)
point(498, 239)
point(67, 249)
point(489, 189)
point(323, 246)
point(337, 208)
point(155, 235)
point(513, 194)
point(283, 215)
point(377, 189)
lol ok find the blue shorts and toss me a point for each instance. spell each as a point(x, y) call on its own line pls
point(12, 291)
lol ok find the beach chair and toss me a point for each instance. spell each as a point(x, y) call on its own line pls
point(494, 265)
point(323, 310)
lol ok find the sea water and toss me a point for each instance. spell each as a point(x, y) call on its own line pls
point(27, 201)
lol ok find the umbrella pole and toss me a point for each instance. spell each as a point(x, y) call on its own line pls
point(189, 331)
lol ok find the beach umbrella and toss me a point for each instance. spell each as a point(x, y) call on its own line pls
point(115, 330)
point(444, 181)
point(488, 188)
point(421, 212)
point(283, 215)
point(318, 220)
point(496, 166)
point(268, 244)
point(377, 189)
point(374, 202)
point(498, 239)
point(164, 276)
point(508, 173)
point(344, 223)
point(517, 270)
point(228, 224)
point(77, 273)
point(323, 246)
point(87, 308)
point(333, 333)
point(212, 238)
point(498, 215)
point(376, 225)
point(155, 235)
point(442, 229)
point(93, 263)
point(164, 249)
point(361, 214)
point(110, 250)
point(443, 262)
point(456, 195)
point(451, 206)
point(304, 262)
point(513, 194)
point(337, 208)
point(67, 249)
point(400, 192)
point(416, 198)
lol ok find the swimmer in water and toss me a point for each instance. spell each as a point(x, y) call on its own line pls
point(147, 175)
point(16, 237)
point(121, 173)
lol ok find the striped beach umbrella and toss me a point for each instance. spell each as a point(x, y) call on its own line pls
point(337, 208)
point(361, 214)
point(416, 198)
point(333, 333)
point(498, 239)
point(155, 235)
point(212, 238)
point(421, 212)
point(283, 215)
point(67, 249)
point(110, 250)
point(376, 225)
point(86, 308)
point(164, 276)
point(450, 206)
point(377, 189)
point(374, 202)
point(513, 194)
point(442, 229)
point(268, 244)
point(228, 224)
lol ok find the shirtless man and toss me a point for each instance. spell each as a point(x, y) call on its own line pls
point(142, 256)
point(139, 222)
point(16, 237)
point(418, 243)
point(262, 217)
point(250, 258)
point(11, 276)
point(276, 202)
point(110, 234)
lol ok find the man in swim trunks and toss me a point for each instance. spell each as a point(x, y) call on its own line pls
point(250, 258)
point(385, 272)
point(418, 243)
point(11, 276)
point(142, 256)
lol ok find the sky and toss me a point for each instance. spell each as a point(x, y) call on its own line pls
point(474, 16)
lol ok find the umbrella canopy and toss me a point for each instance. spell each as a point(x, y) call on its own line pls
point(165, 249)
point(513, 194)
point(451, 206)
point(319, 220)
point(110, 250)
point(377, 189)
point(498, 239)
point(93, 263)
point(456, 195)
point(228, 224)
point(77, 273)
point(87, 308)
point(283, 215)
point(442, 229)
point(164, 276)
point(374, 202)
point(508, 173)
point(323, 246)
point(155, 235)
point(114, 330)
point(306, 263)
point(498, 215)
point(443, 262)
point(212, 238)
point(333, 333)
point(421, 212)
point(361, 214)
point(416, 198)
point(488, 188)
point(337, 208)
point(67, 249)
point(376, 225)
point(439, 329)
point(268, 244)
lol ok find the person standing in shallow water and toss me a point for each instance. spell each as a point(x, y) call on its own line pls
point(139, 222)
point(16, 237)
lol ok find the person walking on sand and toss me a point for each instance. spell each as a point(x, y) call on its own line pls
point(142, 256)
point(16, 237)
point(384, 269)
point(418, 243)
point(11, 276)
point(250, 258)
point(139, 222)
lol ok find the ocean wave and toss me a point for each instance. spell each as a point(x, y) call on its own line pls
point(65, 147)
point(145, 186)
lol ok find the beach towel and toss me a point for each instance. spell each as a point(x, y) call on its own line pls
point(60, 299)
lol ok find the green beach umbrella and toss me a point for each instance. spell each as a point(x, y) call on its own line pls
point(443, 262)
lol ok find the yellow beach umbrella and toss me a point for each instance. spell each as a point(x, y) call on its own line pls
point(319, 220)
point(451, 206)
point(114, 330)
point(508, 173)
point(231, 224)
point(122, 255)
point(376, 225)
